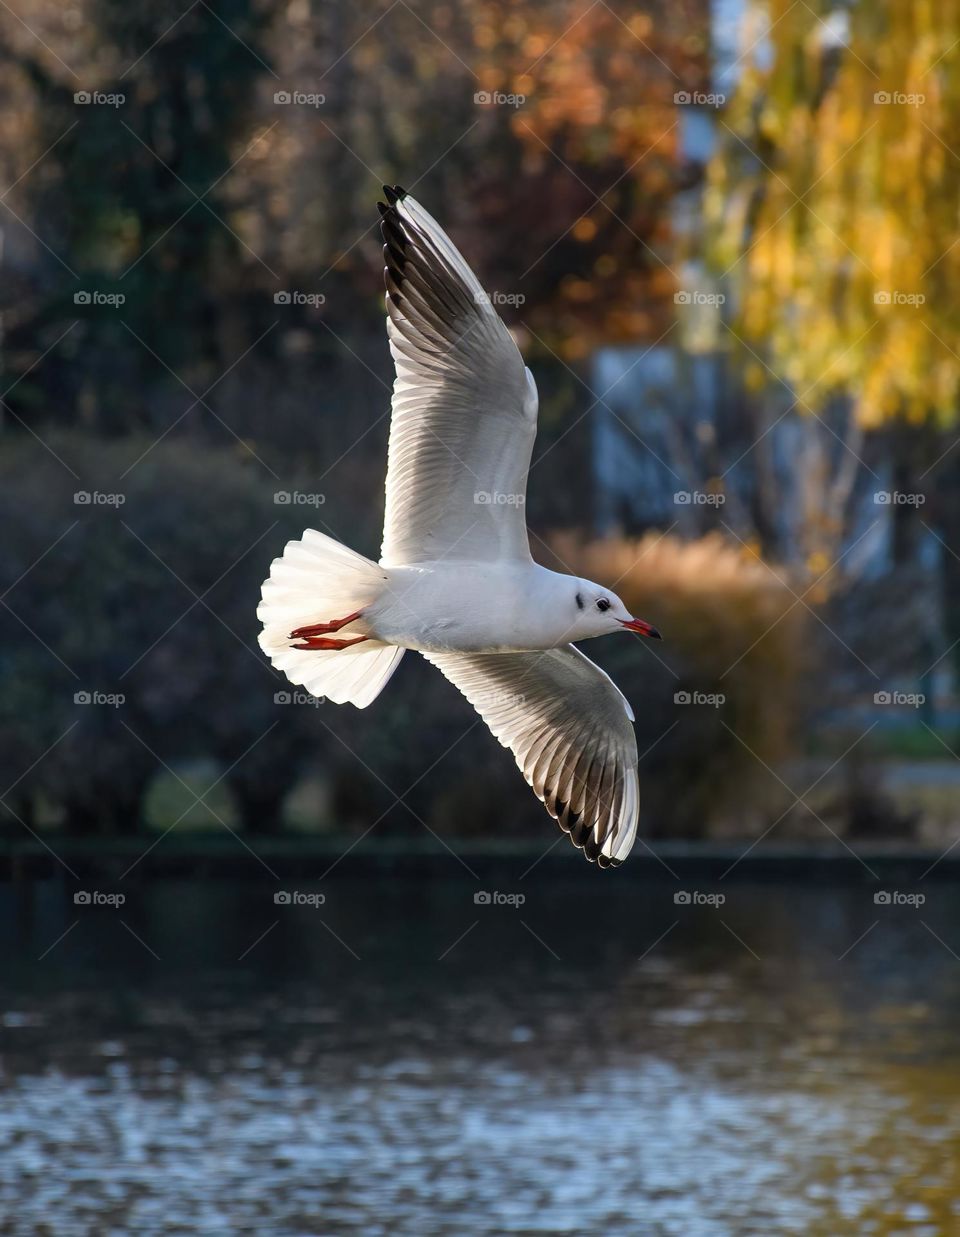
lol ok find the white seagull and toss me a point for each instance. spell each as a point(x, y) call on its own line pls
point(455, 580)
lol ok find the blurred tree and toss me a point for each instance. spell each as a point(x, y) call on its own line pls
point(833, 197)
point(599, 157)
point(132, 199)
point(570, 236)
point(560, 193)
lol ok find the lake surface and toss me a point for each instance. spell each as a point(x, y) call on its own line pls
point(403, 1060)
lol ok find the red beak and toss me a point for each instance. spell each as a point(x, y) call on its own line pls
point(642, 628)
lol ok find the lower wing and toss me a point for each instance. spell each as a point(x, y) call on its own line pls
point(569, 728)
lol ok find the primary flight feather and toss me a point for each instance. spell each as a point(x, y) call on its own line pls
point(455, 580)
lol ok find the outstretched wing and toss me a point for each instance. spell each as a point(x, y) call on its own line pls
point(569, 728)
point(464, 405)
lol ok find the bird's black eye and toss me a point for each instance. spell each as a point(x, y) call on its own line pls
point(603, 604)
point(579, 601)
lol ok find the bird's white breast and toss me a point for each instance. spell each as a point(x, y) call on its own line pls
point(471, 607)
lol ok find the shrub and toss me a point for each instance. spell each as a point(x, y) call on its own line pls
point(733, 629)
point(103, 598)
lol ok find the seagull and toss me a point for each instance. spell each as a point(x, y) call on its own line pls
point(456, 581)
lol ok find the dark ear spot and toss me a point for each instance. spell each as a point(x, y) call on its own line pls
point(579, 601)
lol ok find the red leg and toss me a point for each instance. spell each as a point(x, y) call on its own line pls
point(323, 642)
point(320, 629)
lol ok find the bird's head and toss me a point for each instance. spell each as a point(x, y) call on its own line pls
point(597, 611)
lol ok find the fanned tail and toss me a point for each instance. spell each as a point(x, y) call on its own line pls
point(318, 580)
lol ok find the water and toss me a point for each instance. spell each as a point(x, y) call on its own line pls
point(401, 1060)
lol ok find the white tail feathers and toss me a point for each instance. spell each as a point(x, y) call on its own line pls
point(318, 580)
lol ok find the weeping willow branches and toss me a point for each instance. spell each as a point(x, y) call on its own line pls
point(833, 204)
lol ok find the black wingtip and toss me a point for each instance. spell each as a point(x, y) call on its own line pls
point(400, 192)
point(395, 243)
point(592, 849)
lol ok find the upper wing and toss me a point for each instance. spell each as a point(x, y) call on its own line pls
point(568, 725)
point(464, 405)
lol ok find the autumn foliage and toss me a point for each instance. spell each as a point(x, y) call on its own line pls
point(833, 197)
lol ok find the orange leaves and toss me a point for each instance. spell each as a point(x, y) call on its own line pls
point(597, 138)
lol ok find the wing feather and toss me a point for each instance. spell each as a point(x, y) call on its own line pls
point(569, 729)
point(464, 411)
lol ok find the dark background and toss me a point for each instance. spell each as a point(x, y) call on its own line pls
point(194, 367)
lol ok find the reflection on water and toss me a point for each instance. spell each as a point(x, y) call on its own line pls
point(574, 1065)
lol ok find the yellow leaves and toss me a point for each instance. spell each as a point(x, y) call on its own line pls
point(755, 376)
point(584, 229)
point(872, 152)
